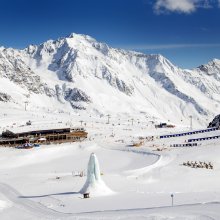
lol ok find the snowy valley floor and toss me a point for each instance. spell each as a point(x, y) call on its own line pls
point(41, 183)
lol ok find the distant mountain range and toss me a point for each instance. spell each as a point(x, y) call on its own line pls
point(79, 73)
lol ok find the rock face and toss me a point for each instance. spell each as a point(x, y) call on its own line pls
point(14, 68)
point(76, 97)
point(80, 73)
point(4, 97)
point(215, 122)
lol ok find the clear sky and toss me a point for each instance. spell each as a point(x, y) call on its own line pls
point(187, 32)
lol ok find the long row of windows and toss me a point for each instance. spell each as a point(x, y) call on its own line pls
point(203, 139)
point(188, 133)
point(184, 145)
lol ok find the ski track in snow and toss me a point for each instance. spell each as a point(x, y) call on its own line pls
point(34, 208)
point(162, 161)
point(189, 211)
point(38, 210)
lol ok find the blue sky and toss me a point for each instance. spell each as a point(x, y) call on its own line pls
point(187, 32)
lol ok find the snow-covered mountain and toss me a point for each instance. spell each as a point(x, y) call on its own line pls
point(77, 72)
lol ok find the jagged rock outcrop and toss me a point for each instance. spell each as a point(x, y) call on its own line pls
point(211, 69)
point(5, 97)
point(116, 82)
point(76, 97)
point(215, 122)
point(13, 67)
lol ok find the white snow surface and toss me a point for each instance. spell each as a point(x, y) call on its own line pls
point(118, 96)
point(44, 182)
point(78, 73)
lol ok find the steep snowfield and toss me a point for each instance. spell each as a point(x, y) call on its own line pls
point(77, 72)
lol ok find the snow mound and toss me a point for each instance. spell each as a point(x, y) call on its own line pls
point(94, 184)
point(4, 205)
point(88, 146)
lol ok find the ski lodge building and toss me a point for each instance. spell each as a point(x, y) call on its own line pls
point(47, 136)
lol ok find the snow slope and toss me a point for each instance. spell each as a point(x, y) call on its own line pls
point(79, 73)
point(43, 183)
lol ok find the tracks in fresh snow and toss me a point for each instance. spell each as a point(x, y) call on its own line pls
point(39, 211)
point(162, 161)
point(34, 208)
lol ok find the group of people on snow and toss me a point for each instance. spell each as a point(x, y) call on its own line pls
point(199, 164)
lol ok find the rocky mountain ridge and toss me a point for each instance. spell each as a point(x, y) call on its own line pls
point(85, 74)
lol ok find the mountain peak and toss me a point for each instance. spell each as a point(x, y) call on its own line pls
point(81, 37)
point(2, 48)
point(74, 71)
point(217, 61)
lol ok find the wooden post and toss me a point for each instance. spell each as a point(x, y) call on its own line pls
point(25, 105)
point(172, 198)
point(108, 118)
